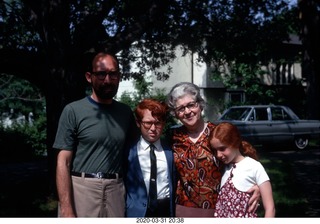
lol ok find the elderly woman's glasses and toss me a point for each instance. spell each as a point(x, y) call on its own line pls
point(190, 106)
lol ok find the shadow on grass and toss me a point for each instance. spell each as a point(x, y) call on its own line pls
point(28, 195)
point(30, 199)
point(290, 201)
point(24, 190)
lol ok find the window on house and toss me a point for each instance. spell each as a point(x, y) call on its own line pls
point(236, 96)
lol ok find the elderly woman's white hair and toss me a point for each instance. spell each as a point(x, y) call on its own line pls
point(182, 89)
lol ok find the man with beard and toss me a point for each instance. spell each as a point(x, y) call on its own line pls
point(92, 137)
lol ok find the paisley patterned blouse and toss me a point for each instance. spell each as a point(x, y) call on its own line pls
point(199, 172)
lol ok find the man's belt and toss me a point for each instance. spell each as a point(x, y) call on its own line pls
point(98, 175)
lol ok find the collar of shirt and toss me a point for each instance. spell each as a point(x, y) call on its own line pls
point(145, 144)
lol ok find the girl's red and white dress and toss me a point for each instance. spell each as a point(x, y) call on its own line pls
point(237, 179)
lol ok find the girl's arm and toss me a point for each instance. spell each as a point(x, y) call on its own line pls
point(267, 199)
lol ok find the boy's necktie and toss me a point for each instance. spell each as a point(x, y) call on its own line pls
point(153, 180)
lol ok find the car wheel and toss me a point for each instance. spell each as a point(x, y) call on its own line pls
point(301, 142)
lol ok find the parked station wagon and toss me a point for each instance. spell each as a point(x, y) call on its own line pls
point(272, 125)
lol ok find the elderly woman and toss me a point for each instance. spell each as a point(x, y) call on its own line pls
point(199, 172)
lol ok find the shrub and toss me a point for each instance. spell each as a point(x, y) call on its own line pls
point(21, 142)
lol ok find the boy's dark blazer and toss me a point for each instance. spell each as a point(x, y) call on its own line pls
point(137, 197)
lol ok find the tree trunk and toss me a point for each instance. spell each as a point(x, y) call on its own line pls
point(60, 93)
point(310, 35)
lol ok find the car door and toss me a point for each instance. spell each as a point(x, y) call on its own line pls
point(261, 130)
point(281, 125)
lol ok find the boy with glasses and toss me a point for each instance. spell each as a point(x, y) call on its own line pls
point(140, 202)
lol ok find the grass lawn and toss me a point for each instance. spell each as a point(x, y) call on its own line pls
point(289, 200)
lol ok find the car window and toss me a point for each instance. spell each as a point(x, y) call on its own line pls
point(236, 114)
point(279, 114)
point(261, 114)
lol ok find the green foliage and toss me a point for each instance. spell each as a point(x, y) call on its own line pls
point(125, 98)
point(37, 136)
point(142, 89)
point(23, 141)
point(20, 96)
point(246, 77)
point(147, 33)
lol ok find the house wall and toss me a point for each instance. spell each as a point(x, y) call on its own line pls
point(182, 71)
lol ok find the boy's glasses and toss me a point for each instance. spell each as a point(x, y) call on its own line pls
point(148, 124)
